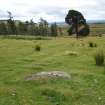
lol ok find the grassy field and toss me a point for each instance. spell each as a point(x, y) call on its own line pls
point(97, 29)
point(18, 59)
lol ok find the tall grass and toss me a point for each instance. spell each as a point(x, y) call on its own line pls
point(99, 58)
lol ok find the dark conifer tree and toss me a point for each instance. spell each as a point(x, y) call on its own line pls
point(76, 20)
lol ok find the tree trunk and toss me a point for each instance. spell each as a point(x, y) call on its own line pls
point(76, 28)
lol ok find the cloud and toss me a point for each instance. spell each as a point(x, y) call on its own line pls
point(51, 10)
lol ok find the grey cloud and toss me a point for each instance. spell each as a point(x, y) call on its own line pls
point(90, 11)
point(96, 11)
point(59, 12)
point(3, 14)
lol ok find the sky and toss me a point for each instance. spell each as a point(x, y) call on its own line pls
point(51, 10)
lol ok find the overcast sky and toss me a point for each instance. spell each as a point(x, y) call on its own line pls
point(51, 10)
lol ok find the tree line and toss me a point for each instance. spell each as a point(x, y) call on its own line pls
point(76, 21)
point(12, 27)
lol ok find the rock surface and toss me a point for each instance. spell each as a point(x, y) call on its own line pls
point(48, 75)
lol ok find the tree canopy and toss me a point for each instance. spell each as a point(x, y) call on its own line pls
point(77, 23)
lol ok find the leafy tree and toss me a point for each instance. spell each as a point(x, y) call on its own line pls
point(11, 27)
point(21, 28)
point(36, 29)
point(31, 28)
point(60, 31)
point(10, 15)
point(43, 27)
point(3, 29)
point(11, 24)
point(77, 23)
point(54, 29)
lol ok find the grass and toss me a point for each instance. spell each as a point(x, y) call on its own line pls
point(99, 58)
point(18, 59)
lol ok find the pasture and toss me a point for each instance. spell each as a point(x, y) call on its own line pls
point(19, 59)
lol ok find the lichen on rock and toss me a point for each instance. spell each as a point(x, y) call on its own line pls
point(48, 75)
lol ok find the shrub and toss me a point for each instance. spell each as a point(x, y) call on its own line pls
point(91, 44)
point(37, 48)
point(99, 58)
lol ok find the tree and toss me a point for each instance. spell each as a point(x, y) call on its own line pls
point(3, 29)
point(77, 23)
point(11, 24)
point(21, 28)
point(10, 15)
point(43, 27)
point(54, 29)
point(31, 28)
point(60, 31)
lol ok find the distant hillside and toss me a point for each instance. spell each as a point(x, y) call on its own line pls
point(96, 21)
point(88, 21)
